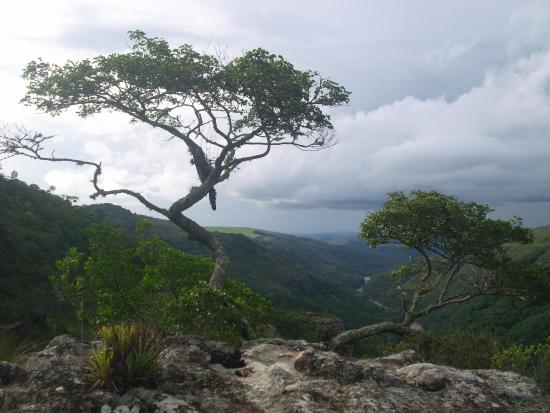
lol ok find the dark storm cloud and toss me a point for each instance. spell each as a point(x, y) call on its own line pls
point(490, 144)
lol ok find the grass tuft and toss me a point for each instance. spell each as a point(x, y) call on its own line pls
point(13, 347)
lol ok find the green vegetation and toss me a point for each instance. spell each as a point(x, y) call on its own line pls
point(37, 228)
point(295, 272)
point(467, 350)
point(13, 347)
point(127, 357)
point(247, 232)
point(538, 252)
point(529, 360)
point(139, 277)
point(460, 349)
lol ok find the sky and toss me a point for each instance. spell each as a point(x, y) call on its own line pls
point(452, 96)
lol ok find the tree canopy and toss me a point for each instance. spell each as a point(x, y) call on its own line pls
point(444, 227)
point(225, 112)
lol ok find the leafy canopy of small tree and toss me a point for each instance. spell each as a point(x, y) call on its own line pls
point(140, 278)
point(225, 112)
point(462, 254)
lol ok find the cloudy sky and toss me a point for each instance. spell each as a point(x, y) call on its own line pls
point(452, 96)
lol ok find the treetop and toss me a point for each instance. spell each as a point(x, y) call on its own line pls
point(257, 92)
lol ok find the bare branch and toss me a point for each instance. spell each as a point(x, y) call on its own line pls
point(30, 144)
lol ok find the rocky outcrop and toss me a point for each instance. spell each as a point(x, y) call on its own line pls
point(200, 375)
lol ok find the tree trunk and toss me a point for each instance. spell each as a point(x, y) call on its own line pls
point(353, 335)
point(199, 233)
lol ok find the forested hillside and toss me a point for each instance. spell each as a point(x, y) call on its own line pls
point(38, 227)
point(294, 271)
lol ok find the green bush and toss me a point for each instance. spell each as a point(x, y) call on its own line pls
point(529, 360)
point(127, 357)
point(136, 277)
point(463, 349)
point(13, 347)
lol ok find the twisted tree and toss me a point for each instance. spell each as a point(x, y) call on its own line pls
point(462, 255)
point(225, 113)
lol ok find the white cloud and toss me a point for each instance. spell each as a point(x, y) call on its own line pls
point(491, 144)
point(437, 60)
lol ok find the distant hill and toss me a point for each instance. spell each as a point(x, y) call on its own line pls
point(247, 232)
point(338, 238)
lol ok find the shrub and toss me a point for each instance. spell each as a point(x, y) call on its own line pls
point(13, 347)
point(145, 279)
point(529, 360)
point(127, 357)
point(228, 314)
point(463, 349)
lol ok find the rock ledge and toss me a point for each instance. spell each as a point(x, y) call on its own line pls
point(200, 375)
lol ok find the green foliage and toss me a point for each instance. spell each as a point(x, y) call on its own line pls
point(533, 278)
point(13, 347)
point(538, 252)
point(308, 326)
point(36, 228)
point(295, 272)
point(142, 278)
point(127, 357)
point(227, 314)
point(460, 349)
point(152, 82)
point(75, 288)
point(439, 224)
point(529, 360)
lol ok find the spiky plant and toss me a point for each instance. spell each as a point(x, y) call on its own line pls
point(13, 347)
point(127, 357)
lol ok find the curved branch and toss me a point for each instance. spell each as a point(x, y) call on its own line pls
point(29, 144)
point(351, 336)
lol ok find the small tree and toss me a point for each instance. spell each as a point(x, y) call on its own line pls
point(226, 114)
point(462, 255)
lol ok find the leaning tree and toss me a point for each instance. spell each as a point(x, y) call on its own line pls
point(226, 113)
point(461, 254)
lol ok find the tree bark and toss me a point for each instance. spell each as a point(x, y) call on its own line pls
point(353, 335)
point(202, 235)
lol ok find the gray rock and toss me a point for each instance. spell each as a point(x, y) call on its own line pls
point(280, 376)
point(329, 365)
point(11, 373)
point(219, 353)
point(426, 375)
